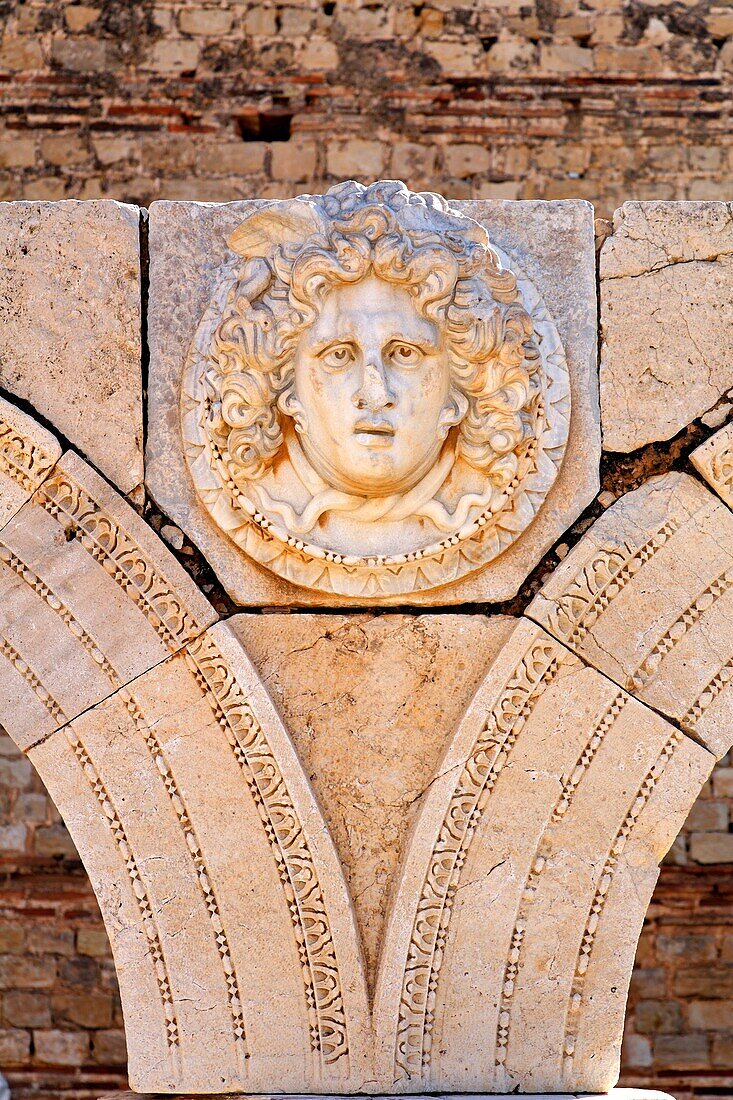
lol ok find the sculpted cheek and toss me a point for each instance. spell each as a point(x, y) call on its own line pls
point(315, 380)
point(434, 380)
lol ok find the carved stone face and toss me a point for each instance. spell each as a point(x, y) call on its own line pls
point(374, 403)
point(373, 390)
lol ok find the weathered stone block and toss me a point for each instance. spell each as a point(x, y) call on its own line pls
point(70, 325)
point(60, 1048)
point(711, 847)
point(666, 318)
point(711, 1015)
point(26, 972)
point(91, 1010)
point(293, 160)
point(109, 1047)
point(693, 948)
point(356, 157)
point(15, 1046)
point(675, 1051)
point(658, 1017)
point(646, 596)
point(24, 1009)
point(542, 240)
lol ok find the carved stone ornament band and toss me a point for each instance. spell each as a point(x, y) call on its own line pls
point(376, 401)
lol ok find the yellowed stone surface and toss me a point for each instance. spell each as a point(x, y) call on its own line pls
point(89, 598)
point(369, 702)
point(646, 596)
point(666, 286)
point(237, 950)
point(306, 482)
point(27, 456)
point(524, 888)
point(714, 460)
point(221, 891)
point(70, 325)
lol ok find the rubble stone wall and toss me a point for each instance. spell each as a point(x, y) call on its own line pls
point(560, 98)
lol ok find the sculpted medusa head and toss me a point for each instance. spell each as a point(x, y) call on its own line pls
point(368, 390)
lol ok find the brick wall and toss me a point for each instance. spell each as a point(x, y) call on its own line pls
point(515, 99)
point(60, 1018)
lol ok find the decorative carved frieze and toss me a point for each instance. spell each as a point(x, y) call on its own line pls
point(27, 456)
point(646, 596)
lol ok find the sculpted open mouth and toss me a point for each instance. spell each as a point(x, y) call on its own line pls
point(374, 435)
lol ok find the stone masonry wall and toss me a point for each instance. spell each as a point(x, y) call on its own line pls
point(513, 99)
point(559, 98)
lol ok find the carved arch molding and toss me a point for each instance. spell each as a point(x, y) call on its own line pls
point(235, 942)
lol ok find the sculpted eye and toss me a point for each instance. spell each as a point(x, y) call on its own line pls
point(339, 357)
point(405, 355)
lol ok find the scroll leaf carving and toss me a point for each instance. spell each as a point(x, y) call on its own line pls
point(23, 459)
point(296, 867)
point(487, 758)
point(108, 543)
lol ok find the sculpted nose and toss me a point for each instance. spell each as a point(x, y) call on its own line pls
point(373, 393)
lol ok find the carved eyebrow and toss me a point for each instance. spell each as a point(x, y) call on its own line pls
point(423, 344)
point(321, 346)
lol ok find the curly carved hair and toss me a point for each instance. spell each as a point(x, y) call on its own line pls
point(296, 252)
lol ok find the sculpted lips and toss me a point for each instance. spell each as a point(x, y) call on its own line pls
point(374, 434)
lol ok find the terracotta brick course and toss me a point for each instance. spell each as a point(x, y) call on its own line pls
point(585, 99)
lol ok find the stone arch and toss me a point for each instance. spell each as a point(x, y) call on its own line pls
point(535, 850)
point(147, 723)
point(528, 922)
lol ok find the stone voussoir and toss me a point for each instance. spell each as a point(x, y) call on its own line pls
point(597, 774)
point(190, 874)
point(90, 598)
point(646, 596)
